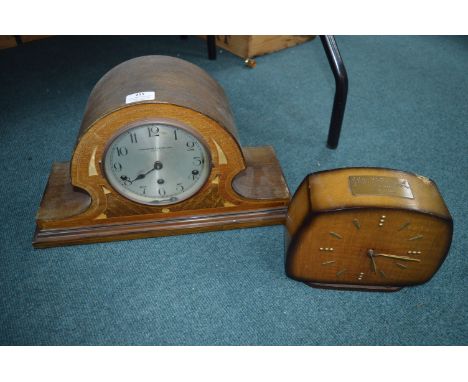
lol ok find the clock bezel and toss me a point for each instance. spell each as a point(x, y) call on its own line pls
point(163, 121)
point(292, 242)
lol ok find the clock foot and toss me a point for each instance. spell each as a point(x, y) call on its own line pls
point(367, 288)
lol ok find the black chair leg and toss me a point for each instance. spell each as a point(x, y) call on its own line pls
point(211, 44)
point(341, 91)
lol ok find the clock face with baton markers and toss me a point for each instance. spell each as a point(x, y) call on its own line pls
point(374, 229)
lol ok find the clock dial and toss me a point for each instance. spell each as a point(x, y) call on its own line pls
point(157, 164)
point(370, 247)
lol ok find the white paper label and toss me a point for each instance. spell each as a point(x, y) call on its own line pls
point(141, 96)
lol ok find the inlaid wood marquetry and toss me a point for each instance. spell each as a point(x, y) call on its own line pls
point(158, 154)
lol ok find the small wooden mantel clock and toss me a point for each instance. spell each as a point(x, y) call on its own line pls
point(366, 228)
point(158, 154)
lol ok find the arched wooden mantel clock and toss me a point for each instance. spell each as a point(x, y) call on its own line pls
point(158, 154)
point(366, 228)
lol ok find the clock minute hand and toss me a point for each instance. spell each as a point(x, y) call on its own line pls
point(397, 257)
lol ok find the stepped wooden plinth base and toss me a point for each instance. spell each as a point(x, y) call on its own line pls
point(111, 232)
point(68, 215)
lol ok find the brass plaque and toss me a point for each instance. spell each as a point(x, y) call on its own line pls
point(380, 185)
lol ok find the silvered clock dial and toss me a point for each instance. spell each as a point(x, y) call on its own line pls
point(157, 163)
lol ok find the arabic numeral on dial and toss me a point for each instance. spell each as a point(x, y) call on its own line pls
point(190, 146)
point(153, 131)
point(133, 138)
point(179, 187)
point(175, 135)
point(117, 166)
point(161, 192)
point(197, 161)
point(121, 151)
point(125, 180)
point(195, 174)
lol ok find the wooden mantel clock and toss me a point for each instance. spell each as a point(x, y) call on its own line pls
point(366, 228)
point(158, 154)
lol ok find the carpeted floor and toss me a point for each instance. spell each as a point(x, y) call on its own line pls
point(407, 109)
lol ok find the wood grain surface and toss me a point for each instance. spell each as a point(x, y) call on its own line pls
point(185, 96)
point(335, 238)
point(248, 46)
point(7, 42)
point(60, 223)
point(174, 81)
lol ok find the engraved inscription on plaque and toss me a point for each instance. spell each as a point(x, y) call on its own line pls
point(380, 185)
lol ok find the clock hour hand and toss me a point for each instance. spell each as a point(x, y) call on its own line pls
point(371, 255)
point(141, 176)
point(405, 258)
point(374, 266)
point(157, 166)
point(126, 179)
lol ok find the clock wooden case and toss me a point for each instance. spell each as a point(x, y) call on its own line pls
point(85, 202)
point(366, 228)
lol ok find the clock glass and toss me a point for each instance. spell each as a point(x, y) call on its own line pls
point(372, 247)
point(157, 163)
